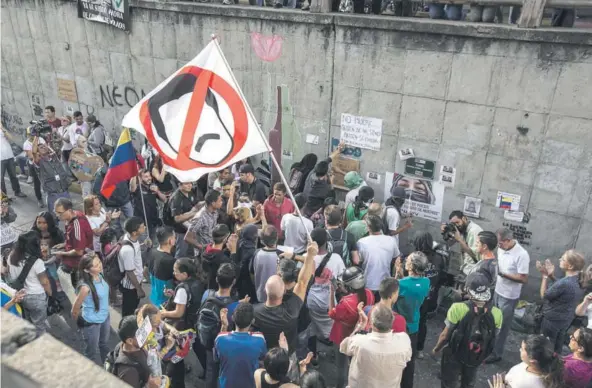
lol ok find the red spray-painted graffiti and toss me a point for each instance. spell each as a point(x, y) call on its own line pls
point(268, 48)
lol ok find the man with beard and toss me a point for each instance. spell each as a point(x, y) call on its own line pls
point(466, 235)
point(150, 192)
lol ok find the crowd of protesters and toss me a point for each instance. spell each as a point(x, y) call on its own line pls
point(258, 279)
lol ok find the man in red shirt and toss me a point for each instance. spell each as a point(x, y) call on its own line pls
point(79, 237)
point(276, 206)
point(389, 293)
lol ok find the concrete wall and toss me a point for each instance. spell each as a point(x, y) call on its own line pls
point(455, 93)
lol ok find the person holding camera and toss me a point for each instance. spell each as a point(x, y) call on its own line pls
point(464, 232)
point(56, 180)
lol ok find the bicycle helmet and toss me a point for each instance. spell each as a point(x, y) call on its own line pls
point(353, 278)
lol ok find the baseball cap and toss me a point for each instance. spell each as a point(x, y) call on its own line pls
point(478, 287)
point(398, 192)
point(246, 169)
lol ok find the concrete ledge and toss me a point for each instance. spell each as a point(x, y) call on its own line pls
point(43, 358)
point(419, 25)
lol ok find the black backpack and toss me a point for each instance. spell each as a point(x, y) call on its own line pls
point(19, 283)
point(208, 320)
point(194, 290)
point(111, 271)
point(113, 360)
point(385, 226)
point(473, 339)
point(295, 180)
point(340, 247)
point(167, 215)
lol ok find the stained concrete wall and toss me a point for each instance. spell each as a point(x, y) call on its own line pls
point(453, 92)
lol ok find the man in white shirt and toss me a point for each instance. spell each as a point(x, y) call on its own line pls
point(130, 262)
point(379, 357)
point(377, 253)
point(77, 128)
point(295, 233)
point(8, 163)
point(513, 266)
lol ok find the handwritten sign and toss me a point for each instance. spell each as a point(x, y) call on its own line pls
point(67, 90)
point(84, 165)
point(359, 131)
point(345, 165)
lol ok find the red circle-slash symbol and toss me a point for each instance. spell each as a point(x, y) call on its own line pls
point(206, 79)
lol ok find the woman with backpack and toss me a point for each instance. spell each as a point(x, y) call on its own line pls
point(357, 210)
point(354, 182)
point(300, 171)
point(49, 235)
point(247, 246)
point(27, 271)
point(541, 367)
point(91, 308)
point(345, 314)
point(181, 310)
point(562, 297)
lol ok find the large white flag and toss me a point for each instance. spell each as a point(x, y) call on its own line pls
point(197, 119)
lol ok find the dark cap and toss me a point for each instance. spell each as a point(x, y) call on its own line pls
point(91, 119)
point(398, 192)
point(246, 169)
point(477, 285)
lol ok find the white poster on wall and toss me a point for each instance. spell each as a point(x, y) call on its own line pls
point(359, 131)
point(424, 198)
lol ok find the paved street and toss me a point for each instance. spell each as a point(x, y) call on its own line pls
point(426, 371)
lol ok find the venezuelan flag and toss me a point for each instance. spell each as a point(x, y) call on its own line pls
point(123, 165)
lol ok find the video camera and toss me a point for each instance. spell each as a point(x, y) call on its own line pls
point(449, 231)
point(39, 128)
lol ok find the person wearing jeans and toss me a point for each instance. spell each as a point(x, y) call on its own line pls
point(91, 308)
point(513, 267)
point(130, 262)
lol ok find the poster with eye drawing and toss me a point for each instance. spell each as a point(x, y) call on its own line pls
point(423, 198)
point(472, 207)
point(447, 175)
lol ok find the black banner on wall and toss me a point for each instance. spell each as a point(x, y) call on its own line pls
point(112, 12)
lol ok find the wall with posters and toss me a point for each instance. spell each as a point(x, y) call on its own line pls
point(508, 109)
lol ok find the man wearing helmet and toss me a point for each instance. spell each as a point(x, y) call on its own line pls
point(345, 314)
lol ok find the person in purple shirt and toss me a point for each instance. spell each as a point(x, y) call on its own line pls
point(577, 370)
point(238, 352)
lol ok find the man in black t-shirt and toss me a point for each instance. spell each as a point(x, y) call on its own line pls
point(151, 195)
point(183, 207)
point(160, 264)
point(340, 237)
point(251, 185)
point(277, 315)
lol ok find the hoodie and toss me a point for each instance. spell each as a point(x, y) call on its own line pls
point(316, 190)
point(211, 260)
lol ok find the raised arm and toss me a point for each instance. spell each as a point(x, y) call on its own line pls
point(307, 270)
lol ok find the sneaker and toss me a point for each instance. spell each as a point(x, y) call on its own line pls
point(21, 176)
point(41, 204)
point(20, 194)
point(420, 355)
point(227, 2)
point(306, 7)
point(30, 179)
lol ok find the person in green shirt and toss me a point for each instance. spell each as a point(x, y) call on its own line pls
point(358, 228)
point(357, 210)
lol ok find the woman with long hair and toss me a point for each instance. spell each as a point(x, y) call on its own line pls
point(345, 314)
point(541, 367)
point(357, 210)
point(98, 218)
point(181, 311)
point(50, 235)
point(91, 308)
point(424, 242)
point(246, 248)
point(26, 256)
point(162, 179)
point(562, 297)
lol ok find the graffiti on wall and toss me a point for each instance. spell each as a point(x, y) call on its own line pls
point(37, 105)
point(267, 48)
point(12, 122)
point(521, 234)
point(114, 95)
